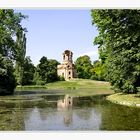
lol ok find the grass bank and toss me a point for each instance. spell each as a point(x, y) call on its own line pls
point(125, 99)
point(78, 84)
point(75, 87)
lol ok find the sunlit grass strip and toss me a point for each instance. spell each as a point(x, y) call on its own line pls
point(78, 84)
point(31, 87)
point(72, 84)
point(125, 99)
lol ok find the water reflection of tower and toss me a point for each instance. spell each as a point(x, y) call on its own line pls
point(65, 105)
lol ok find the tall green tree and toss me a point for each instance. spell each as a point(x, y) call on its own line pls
point(9, 23)
point(7, 79)
point(28, 73)
point(42, 69)
point(37, 80)
point(83, 67)
point(46, 71)
point(52, 70)
point(119, 42)
point(98, 71)
point(20, 55)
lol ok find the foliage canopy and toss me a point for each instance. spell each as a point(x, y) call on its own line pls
point(46, 71)
point(9, 25)
point(119, 46)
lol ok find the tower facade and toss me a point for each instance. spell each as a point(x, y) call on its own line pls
point(67, 69)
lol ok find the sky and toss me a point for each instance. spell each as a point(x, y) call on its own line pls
point(51, 32)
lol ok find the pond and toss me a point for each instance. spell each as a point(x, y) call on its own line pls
point(36, 111)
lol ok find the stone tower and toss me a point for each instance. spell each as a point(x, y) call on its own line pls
point(67, 68)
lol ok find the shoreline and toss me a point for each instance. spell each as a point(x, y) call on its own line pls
point(131, 100)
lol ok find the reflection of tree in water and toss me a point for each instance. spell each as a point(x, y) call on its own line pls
point(83, 103)
point(84, 113)
point(43, 113)
point(117, 117)
point(46, 112)
point(11, 119)
point(27, 113)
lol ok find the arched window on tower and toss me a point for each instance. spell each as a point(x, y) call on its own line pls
point(63, 74)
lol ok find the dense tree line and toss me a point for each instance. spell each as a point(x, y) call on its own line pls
point(10, 24)
point(86, 70)
point(119, 47)
point(46, 71)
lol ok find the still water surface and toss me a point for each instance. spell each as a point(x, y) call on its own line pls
point(69, 113)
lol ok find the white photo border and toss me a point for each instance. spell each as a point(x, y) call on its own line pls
point(70, 4)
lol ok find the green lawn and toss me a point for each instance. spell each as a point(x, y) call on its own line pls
point(75, 87)
point(78, 84)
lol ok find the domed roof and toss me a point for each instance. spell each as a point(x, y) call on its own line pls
point(67, 52)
